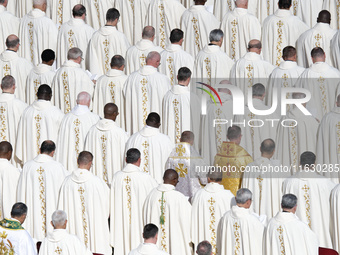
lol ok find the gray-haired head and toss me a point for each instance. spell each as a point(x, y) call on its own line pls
point(153, 59)
point(243, 195)
point(258, 90)
point(148, 32)
point(204, 248)
point(84, 98)
point(289, 201)
point(117, 61)
point(7, 82)
point(215, 176)
point(59, 218)
point(74, 53)
point(40, 4)
point(215, 35)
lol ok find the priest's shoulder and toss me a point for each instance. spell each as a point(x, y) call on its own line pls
point(232, 149)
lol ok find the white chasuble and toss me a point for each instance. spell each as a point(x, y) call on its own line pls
point(72, 134)
point(287, 234)
point(164, 16)
point(37, 33)
point(318, 36)
point(209, 204)
point(96, 12)
point(9, 177)
point(180, 113)
point(313, 206)
point(308, 10)
point(104, 44)
point(109, 89)
point(64, 243)
point(187, 162)
point(40, 74)
point(73, 33)
point(223, 7)
point(9, 25)
point(298, 135)
point(38, 188)
point(278, 31)
point(239, 26)
point(240, 231)
point(19, 68)
point(129, 189)
point(147, 248)
point(61, 10)
point(136, 55)
point(106, 141)
point(172, 59)
point(170, 211)
point(39, 122)
point(262, 9)
point(155, 149)
point(143, 91)
point(68, 82)
point(321, 80)
point(197, 23)
point(84, 197)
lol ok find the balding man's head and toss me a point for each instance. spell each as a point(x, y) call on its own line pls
point(44, 92)
point(48, 148)
point(153, 59)
point(170, 177)
point(215, 176)
point(255, 46)
point(12, 42)
point(148, 33)
point(84, 98)
point(324, 17)
point(187, 137)
point(318, 55)
point(79, 11)
point(267, 148)
point(241, 4)
point(111, 111)
point(40, 4)
point(6, 150)
point(85, 159)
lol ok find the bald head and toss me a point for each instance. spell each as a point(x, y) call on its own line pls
point(84, 98)
point(187, 137)
point(241, 4)
point(6, 150)
point(153, 59)
point(111, 111)
point(324, 17)
point(170, 177)
point(79, 11)
point(12, 43)
point(40, 4)
point(148, 33)
point(215, 176)
point(267, 148)
point(255, 46)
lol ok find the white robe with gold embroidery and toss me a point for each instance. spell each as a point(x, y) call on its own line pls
point(222, 7)
point(61, 10)
point(96, 12)
point(262, 9)
point(129, 189)
point(307, 10)
point(9, 25)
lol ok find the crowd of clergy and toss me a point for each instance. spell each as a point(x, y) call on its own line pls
point(105, 147)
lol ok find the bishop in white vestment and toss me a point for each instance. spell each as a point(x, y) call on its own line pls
point(39, 122)
point(144, 91)
point(105, 43)
point(239, 26)
point(314, 192)
point(170, 211)
point(85, 199)
point(240, 231)
point(196, 23)
point(154, 146)
point(74, 33)
point(129, 189)
point(209, 204)
point(9, 24)
point(280, 30)
point(38, 188)
point(106, 141)
point(37, 33)
point(73, 130)
point(136, 54)
point(287, 234)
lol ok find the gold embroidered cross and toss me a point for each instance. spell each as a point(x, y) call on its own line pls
point(142, 59)
point(2, 109)
point(30, 25)
point(6, 68)
point(144, 81)
point(219, 111)
point(207, 61)
point(169, 60)
point(106, 43)
point(145, 144)
point(36, 83)
point(236, 226)
point(318, 37)
point(260, 179)
point(321, 79)
point(180, 150)
point(249, 68)
point(58, 250)
point(70, 33)
point(40, 170)
point(211, 201)
point(37, 118)
point(127, 180)
point(175, 102)
point(64, 75)
point(181, 170)
point(234, 23)
point(285, 77)
point(194, 20)
point(76, 122)
point(305, 188)
point(280, 23)
point(280, 230)
point(103, 138)
point(81, 190)
point(111, 85)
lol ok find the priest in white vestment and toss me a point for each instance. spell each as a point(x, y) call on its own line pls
point(188, 163)
point(222, 7)
point(321, 80)
point(144, 91)
point(105, 43)
point(197, 23)
point(129, 189)
point(38, 188)
point(164, 16)
point(287, 234)
point(17, 237)
point(70, 80)
point(106, 141)
point(240, 231)
point(61, 11)
point(85, 199)
point(73, 130)
point(12, 64)
point(11, 109)
point(136, 54)
point(174, 57)
point(37, 33)
point(211, 63)
point(209, 204)
point(318, 36)
point(265, 184)
point(280, 30)
point(251, 68)
point(109, 89)
point(239, 26)
point(74, 33)
point(59, 240)
point(154, 146)
point(39, 122)
point(170, 211)
point(96, 12)
point(9, 176)
point(41, 74)
point(297, 136)
point(181, 109)
point(8, 22)
point(150, 235)
point(314, 192)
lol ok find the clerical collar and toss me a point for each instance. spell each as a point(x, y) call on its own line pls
point(10, 50)
point(181, 85)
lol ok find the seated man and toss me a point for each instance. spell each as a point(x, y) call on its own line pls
point(60, 240)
